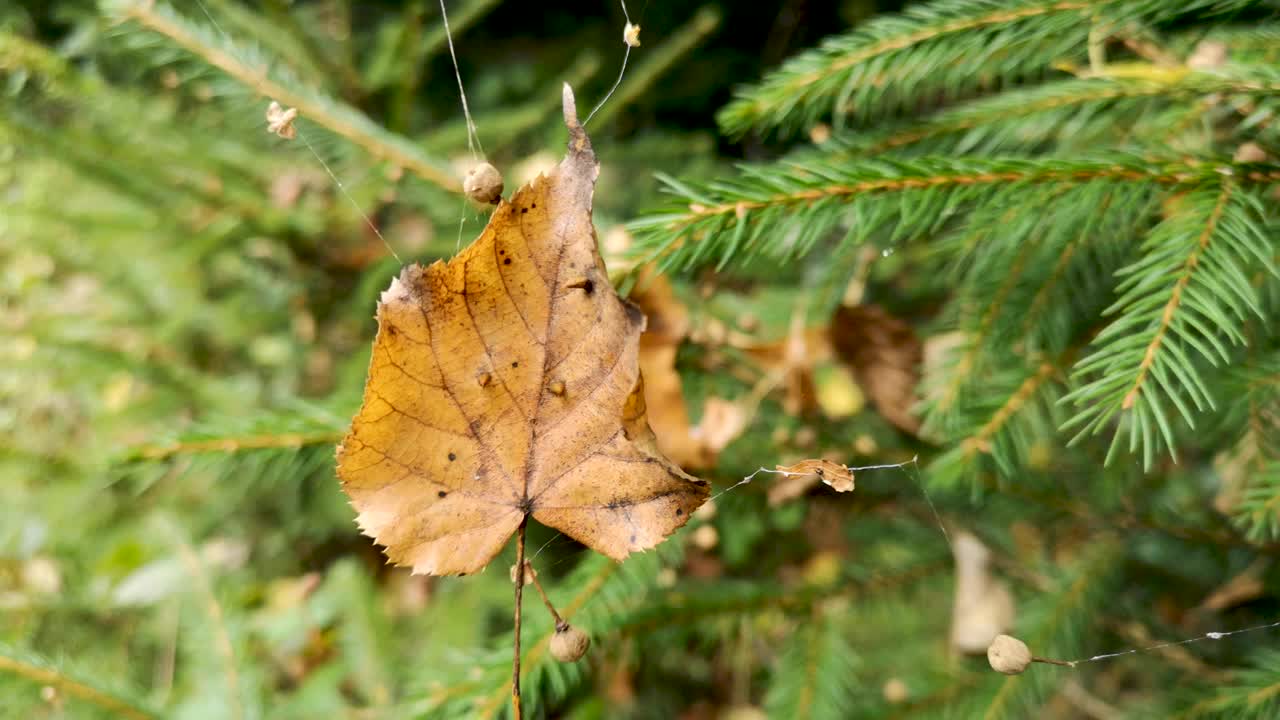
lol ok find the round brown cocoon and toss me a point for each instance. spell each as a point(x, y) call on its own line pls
point(483, 184)
point(1008, 655)
point(569, 643)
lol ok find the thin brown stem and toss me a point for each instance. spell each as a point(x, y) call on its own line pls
point(1047, 661)
point(545, 600)
point(519, 583)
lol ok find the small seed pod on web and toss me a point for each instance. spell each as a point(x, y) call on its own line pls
point(483, 184)
point(529, 573)
point(1008, 655)
point(631, 35)
point(569, 643)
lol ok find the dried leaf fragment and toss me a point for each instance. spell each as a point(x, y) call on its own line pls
point(983, 605)
point(442, 468)
point(839, 477)
point(797, 478)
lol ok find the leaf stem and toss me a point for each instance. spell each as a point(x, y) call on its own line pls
point(545, 600)
point(1048, 661)
point(519, 583)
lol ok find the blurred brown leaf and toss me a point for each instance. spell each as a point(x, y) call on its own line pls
point(983, 605)
point(722, 420)
point(885, 355)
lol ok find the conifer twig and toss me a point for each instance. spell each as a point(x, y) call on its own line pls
point(52, 678)
point(337, 118)
point(999, 17)
point(981, 439)
point(1175, 297)
point(347, 77)
point(237, 444)
point(199, 575)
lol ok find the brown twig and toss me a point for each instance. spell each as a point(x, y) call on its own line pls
point(519, 583)
point(1063, 663)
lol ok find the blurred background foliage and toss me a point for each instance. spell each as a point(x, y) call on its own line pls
point(186, 306)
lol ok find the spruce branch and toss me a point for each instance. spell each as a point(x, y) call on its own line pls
point(848, 73)
point(1254, 462)
point(1003, 423)
point(980, 441)
point(976, 341)
point(295, 48)
point(1250, 692)
point(236, 443)
point(1175, 297)
point(782, 210)
point(1070, 112)
point(42, 672)
point(941, 50)
point(338, 118)
point(815, 676)
point(692, 604)
point(199, 576)
point(1177, 303)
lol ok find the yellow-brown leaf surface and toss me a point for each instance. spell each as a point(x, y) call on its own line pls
point(505, 384)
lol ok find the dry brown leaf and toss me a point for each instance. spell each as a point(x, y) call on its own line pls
point(799, 358)
point(839, 477)
point(983, 606)
point(789, 362)
point(722, 422)
point(505, 384)
point(797, 478)
point(885, 355)
point(663, 389)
